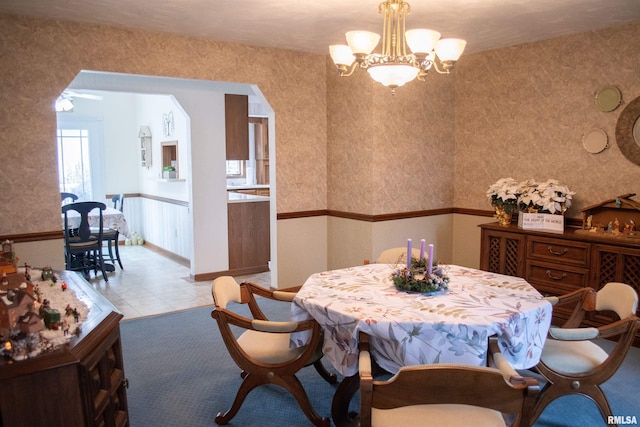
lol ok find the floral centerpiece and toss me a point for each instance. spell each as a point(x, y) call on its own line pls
point(548, 197)
point(504, 198)
point(421, 277)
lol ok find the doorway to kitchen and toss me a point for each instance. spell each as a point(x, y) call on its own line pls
point(204, 160)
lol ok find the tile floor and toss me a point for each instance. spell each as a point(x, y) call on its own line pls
point(151, 284)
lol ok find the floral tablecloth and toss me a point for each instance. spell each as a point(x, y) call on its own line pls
point(111, 218)
point(413, 329)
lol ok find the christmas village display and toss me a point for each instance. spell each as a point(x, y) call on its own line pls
point(37, 313)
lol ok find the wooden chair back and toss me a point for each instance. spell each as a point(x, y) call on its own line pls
point(83, 233)
point(67, 198)
point(118, 202)
point(419, 388)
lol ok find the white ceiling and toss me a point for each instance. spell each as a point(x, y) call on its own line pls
point(312, 25)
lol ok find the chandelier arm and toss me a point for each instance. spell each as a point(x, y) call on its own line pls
point(347, 71)
point(446, 67)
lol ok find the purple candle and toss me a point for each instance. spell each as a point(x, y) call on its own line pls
point(409, 254)
point(430, 260)
point(422, 242)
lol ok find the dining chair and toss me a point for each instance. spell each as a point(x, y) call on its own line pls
point(444, 394)
point(111, 236)
point(571, 362)
point(262, 348)
point(83, 246)
point(396, 255)
point(67, 198)
point(118, 202)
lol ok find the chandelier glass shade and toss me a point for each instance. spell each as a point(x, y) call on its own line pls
point(405, 54)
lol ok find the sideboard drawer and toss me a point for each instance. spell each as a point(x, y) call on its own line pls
point(556, 279)
point(558, 250)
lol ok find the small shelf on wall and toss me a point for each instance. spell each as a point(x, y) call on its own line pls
point(170, 159)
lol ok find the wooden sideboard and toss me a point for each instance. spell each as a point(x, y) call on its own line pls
point(80, 384)
point(557, 263)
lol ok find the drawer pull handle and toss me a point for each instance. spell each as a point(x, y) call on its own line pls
point(551, 251)
point(550, 276)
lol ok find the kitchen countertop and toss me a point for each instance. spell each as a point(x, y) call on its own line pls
point(247, 187)
point(244, 198)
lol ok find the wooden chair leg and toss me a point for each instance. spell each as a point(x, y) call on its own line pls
point(597, 395)
point(294, 386)
point(548, 394)
point(249, 383)
point(117, 249)
point(110, 250)
point(100, 259)
point(329, 377)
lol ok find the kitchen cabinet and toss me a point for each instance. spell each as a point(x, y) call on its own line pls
point(261, 141)
point(80, 384)
point(557, 263)
point(249, 236)
point(236, 109)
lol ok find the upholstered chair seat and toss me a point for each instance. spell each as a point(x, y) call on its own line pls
point(572, 357)
point(437, 415)
point(269, 347)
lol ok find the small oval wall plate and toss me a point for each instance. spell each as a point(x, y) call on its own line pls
point(595, 141)
point(608, 98)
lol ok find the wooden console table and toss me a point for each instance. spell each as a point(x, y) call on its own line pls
point(81, 383)
point(556, 263)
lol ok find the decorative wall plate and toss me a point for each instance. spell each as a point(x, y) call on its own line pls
point(595, 141)
point(628, 131)
point(608, 98)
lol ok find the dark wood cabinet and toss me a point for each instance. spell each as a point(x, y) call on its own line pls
point(557, 263)
point(249, 237)
point(503, 252)
point(261, 137)
point(236, 108)
point(80, 384)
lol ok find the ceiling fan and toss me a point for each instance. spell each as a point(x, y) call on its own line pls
point(65, 100)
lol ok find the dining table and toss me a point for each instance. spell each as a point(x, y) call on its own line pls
point(111, 218)
point(406, 328)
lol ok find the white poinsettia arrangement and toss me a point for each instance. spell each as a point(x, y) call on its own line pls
point(531, 196)
point(505, 192)
point(545, 197)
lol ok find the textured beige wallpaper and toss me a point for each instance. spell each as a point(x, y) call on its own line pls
point(344, 144)
point(389, 153)
point(39, 58)
point(523, 111)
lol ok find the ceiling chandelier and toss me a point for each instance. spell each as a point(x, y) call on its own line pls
point(394, 66)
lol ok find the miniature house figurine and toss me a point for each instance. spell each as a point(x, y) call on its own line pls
point(7, 250)
point(8, 260)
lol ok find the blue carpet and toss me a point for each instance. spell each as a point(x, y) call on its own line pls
point(180, 374)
